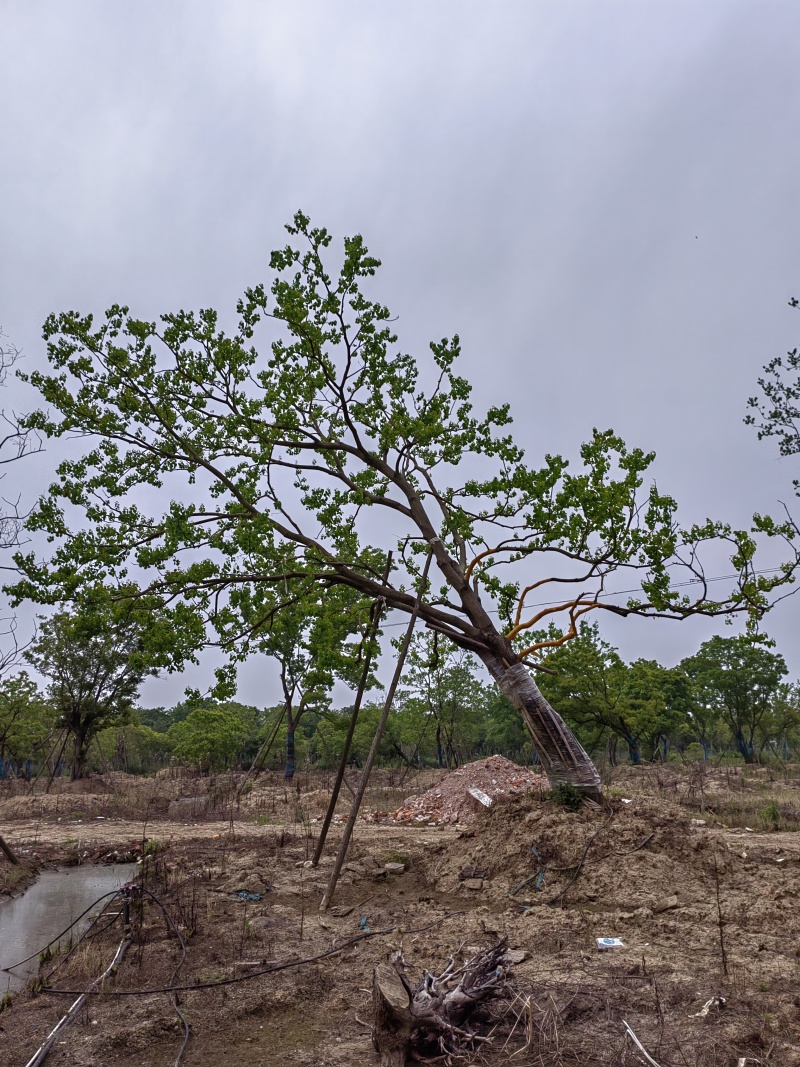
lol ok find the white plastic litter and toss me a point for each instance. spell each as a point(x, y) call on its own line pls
point(639, 1045)
point(712, 1002)
point(609, 942)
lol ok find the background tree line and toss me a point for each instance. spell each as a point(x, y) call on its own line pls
point(729, 700)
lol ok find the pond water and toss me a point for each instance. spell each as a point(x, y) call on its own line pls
point(29, 921)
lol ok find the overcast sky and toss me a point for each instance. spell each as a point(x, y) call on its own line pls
point(599, 196)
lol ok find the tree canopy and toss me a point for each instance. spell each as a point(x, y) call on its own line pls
point(94, 661)
point(740, 681)
point(260, 458)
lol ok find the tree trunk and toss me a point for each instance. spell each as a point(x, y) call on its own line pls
point(7, 852)
point(563, 758)
point(289, 768)
point(79, 752)
point(634, 751)
point(745, 750)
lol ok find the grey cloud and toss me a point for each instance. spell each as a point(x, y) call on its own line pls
point(598, 196)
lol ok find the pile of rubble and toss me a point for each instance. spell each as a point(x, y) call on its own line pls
point(468, 790)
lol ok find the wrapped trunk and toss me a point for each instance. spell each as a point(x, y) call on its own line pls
point(563, 757)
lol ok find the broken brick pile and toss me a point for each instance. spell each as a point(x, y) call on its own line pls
point(451, 802)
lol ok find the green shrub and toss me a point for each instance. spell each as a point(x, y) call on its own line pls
point(567, 796)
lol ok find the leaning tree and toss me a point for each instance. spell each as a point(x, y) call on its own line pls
point(303, 426)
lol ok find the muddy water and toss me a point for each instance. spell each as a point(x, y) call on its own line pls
point(29, 921)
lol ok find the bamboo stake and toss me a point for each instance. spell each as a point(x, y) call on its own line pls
point(375, 618)
point(362, 787)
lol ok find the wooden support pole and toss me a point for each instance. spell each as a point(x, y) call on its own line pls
point(387, 707)
point(9, 855)
point(372, 630)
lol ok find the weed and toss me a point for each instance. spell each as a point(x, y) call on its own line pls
point(771, 814)
point(567, 796)
point(398, 857)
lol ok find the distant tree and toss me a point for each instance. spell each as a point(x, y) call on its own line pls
point(133, 748)
point(600, 694)
point(158, 719)
point(587, 685)
point(779, 730)
point(656, 699)
point(703, 721)
point(307, 439)
point(442, 693)
point(310, 632)
point(503, 730)
point(212, 737)
point(95, 661)
point(26, 719)
point(739, 680)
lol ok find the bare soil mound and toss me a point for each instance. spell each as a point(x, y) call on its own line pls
point(451, 801)
point(702, 913)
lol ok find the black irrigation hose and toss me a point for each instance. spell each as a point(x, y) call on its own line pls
point(87, 936)
point(630, 851)
point(181, 961)
point(58, 937)
point(84, 936)
point(255, 974)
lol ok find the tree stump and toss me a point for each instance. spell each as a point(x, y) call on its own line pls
point(432, 1018)
point(391, 1000)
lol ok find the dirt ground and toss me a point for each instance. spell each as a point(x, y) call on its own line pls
point(698, 874)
